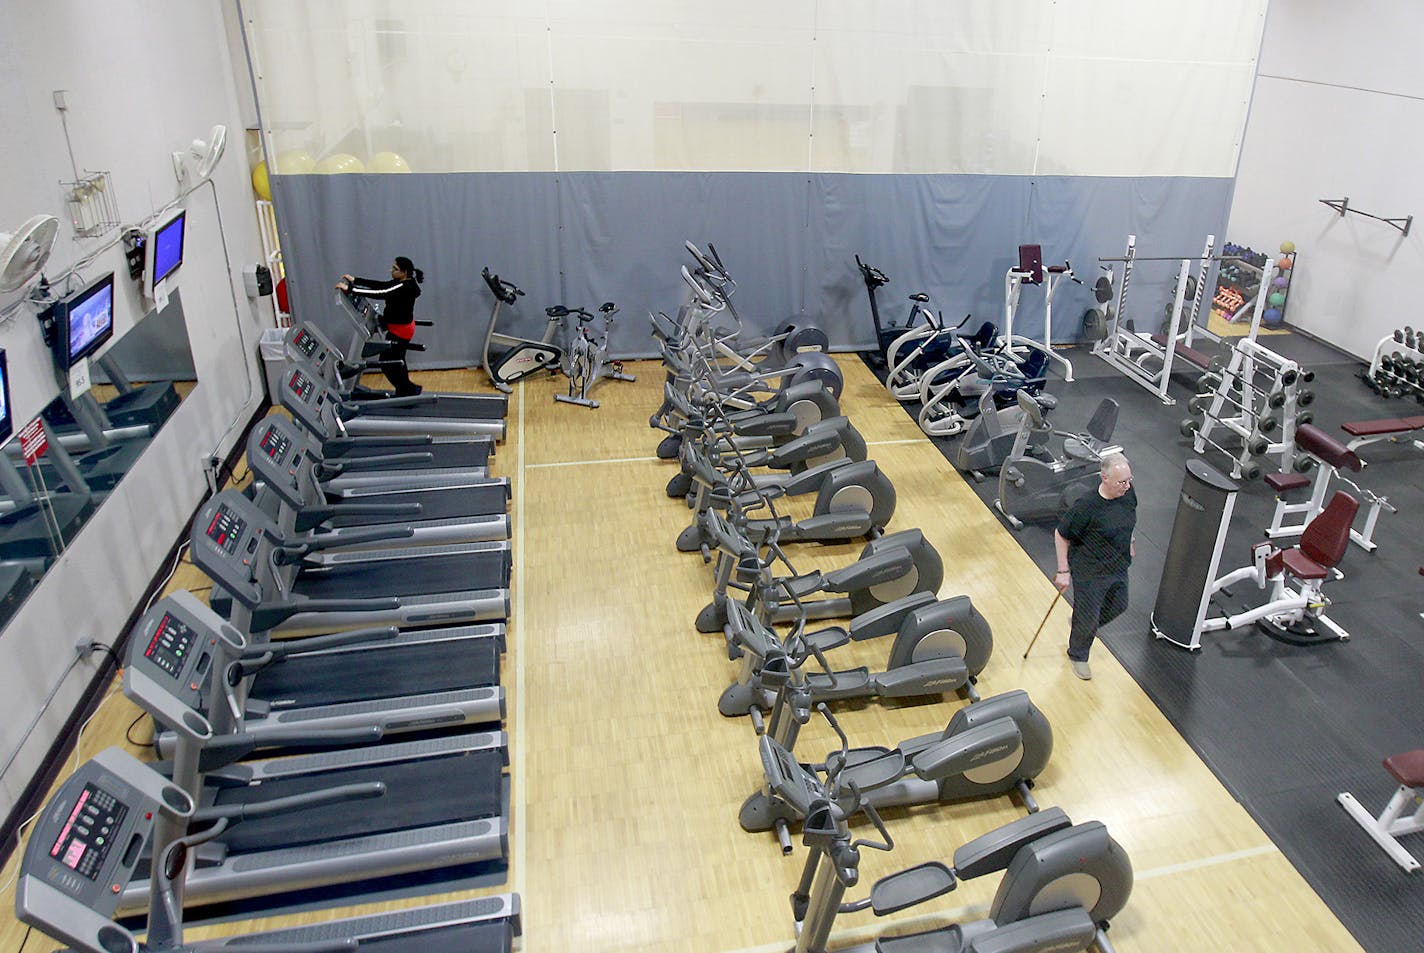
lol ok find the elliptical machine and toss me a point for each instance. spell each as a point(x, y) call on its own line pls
point(521, 356)
point(1062, 882)
point(586, 360)
point(1036, 483)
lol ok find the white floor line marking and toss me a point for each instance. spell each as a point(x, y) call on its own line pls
point(962, 913)
point(1201, 862)
point(896, 442)
point(518, 779)
point(588, 463)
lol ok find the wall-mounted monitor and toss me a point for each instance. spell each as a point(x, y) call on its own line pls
point(7, 420)
point(163, 253)
point(84, 322)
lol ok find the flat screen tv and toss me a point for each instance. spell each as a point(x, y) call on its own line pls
point(84, 322)
point(7, 420)
point(163, 253)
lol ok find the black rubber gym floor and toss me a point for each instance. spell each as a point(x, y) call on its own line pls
point(1285, 728)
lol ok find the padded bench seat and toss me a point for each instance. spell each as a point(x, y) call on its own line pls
point(1407, 767)
point(1189, 354)
point(1387, 425)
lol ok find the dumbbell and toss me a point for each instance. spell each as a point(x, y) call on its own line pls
point(1201, 402)
point(1303, 463)
point(1303, 418)
point(1191, 427)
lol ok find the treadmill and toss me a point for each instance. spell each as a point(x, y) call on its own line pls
point(366, 460)
point(288, 462)
point(355, 814)
point(446, 413)
point(394, 681)
point(36, 526)
point(366, 341)
point(87, 844)
point(265, 582)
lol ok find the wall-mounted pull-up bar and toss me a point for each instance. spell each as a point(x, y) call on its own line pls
point(1343, 205)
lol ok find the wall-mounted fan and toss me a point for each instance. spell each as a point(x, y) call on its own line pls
point(23, 253)
point(198, 161)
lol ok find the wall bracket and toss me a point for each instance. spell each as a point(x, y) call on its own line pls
point(1343, 205)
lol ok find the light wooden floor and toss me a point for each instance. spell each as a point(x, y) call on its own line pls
point(626, 781)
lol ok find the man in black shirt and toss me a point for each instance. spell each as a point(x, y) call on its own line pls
point(1095, 545)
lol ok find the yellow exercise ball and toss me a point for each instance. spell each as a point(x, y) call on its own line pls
point(294, 162)
point(260, 183)
point(387, 162)
point(339, 163)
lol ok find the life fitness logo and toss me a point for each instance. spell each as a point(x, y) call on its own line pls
point(33, 442)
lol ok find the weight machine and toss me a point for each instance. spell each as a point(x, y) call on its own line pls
point(1143, 357)
point(1030, 270)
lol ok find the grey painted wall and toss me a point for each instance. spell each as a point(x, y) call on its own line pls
point(789, 239)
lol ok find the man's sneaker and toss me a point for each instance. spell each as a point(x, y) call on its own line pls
point(1082, 670)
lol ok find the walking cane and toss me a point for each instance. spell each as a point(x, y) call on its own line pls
point(1043, 623)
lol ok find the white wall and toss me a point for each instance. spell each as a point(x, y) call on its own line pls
point(1338, 111)
point(143, 78)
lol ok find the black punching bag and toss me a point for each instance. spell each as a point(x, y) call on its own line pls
point(1193, 554)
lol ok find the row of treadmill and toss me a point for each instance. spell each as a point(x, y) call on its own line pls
point(754, 424)
point(328, 721)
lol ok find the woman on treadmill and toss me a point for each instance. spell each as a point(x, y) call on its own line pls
point(398, 317)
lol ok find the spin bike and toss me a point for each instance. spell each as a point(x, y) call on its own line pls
point(585, 359)
point(521, 356)
point(1037, 483)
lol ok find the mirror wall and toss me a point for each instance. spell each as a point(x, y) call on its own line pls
point(91, 442)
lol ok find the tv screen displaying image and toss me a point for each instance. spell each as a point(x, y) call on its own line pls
point(168, 247)
point(7, 424)
point(89, 320)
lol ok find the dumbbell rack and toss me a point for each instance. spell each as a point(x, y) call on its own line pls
point(1261, 410)
point(1403, 344)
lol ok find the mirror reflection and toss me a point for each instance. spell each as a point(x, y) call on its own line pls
point(55, 475)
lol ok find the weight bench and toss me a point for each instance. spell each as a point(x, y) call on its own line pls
point(1331, 458)
point(1407, 768)
point(1189, 354)
point(1390, 428)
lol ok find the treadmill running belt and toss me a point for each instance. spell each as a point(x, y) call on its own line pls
point(462, 453)
point(419, 793)
point(379, 672)
point(454, 572)
point(486, 499)
point(450, 408)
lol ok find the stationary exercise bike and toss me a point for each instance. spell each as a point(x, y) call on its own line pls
point(1062, 881)
point(521, 356)
point(586, 360)
point(994, 431)
point(1038, 483)
point(937, 646)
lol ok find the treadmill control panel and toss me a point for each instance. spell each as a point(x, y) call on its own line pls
point(301, 384)
point(171, 642)
point(86, 843)
point(85, 839)
point(304, 343)
point(226, 529)
point(283, 461)
point(228, 542)
point(275, 444)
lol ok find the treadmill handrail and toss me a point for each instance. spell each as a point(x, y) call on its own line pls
point(331, 469)
point(374, 440)
point(220, 751)
point(350, 408)
point(241, 811)
point(297, 548)
point(316, 643)
point(269, 615)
